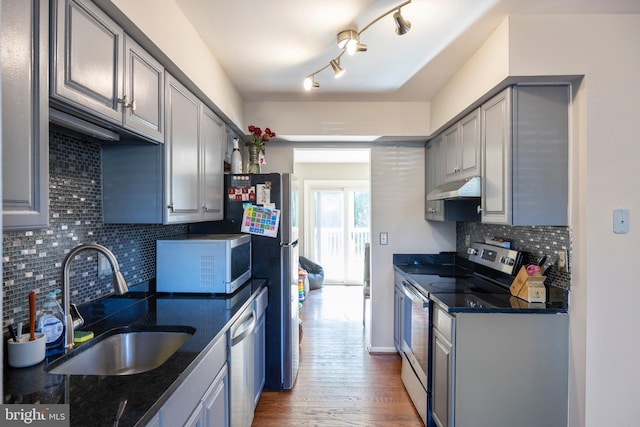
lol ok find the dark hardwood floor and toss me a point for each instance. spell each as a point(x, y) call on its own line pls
point(339, 383)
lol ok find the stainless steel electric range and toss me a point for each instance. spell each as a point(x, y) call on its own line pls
point(479, 283)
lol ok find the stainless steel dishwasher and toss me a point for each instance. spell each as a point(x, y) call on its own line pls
point(242, 368)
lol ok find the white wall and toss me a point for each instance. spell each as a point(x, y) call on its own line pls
point(605, 49)
point(342, 118)
point(397, 207)
point(604, 344)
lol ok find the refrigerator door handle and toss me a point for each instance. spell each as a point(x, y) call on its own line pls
point(289, 245)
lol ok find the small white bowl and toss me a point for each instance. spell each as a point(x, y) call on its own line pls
point(25, 353)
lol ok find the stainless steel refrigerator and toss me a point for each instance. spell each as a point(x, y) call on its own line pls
point(274, 259)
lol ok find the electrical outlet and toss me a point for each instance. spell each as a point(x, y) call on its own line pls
point(562, 261)
point(467, 241)
point(384, 238)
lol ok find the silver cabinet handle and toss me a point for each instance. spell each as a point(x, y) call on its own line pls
point(126, 104)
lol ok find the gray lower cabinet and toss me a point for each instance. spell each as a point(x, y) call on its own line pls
point(200, 401)
point(259, 333)
point(434, 209)
point(499, 369)
point(180, 181)
point(100, 72)
point(24, 41)
point(525, 153)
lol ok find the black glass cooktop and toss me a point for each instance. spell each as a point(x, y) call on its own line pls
point(463, 284)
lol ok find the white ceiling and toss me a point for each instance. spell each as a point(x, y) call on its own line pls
point(267, 48)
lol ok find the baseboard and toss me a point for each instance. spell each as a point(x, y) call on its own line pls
point(381, 349)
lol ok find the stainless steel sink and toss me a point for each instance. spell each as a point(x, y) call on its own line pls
point(123, 351)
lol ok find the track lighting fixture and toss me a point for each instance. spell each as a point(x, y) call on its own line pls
point(349, 42)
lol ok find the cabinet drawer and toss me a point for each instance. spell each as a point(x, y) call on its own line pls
point(443, 322)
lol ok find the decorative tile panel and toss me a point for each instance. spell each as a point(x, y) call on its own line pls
point(32, 260)
point(535, 241)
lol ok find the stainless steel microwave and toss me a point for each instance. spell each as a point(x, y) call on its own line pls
point(203, 263)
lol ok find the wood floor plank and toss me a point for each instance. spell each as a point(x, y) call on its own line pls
point(339, 383)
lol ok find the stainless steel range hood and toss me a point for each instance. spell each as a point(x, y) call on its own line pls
point(463, 189)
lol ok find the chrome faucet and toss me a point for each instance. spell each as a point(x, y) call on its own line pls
point(118, 282)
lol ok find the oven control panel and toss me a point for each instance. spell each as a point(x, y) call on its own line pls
point(495, 257)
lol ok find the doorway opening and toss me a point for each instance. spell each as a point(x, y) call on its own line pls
point(336, 210)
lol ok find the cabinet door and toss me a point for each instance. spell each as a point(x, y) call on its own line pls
point(434, 177)
point(450, 154)
point(196, 419)
point(496, 159)
point(182, 153)
point(441, 380)
point(212, 146)
point(143, 104)
point(87, 60)
point(259, 359)
point(24, 41)
point(216, 401)
point(469, 143)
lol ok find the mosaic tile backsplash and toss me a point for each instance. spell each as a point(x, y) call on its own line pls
point(535, 241)
point(32, 260)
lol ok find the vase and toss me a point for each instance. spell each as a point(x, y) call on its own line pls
point(254, 159)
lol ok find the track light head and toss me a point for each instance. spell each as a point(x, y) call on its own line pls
point(338, 71)
point(310, 83)
point(402, 25)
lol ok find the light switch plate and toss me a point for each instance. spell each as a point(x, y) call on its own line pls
point(384, 238)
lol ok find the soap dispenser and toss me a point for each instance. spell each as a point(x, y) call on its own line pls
point(51, 324)
point(236, 157)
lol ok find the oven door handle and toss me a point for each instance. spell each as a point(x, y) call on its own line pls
point(413, 294)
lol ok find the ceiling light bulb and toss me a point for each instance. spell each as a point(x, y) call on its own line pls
point(352, 46)
point(402, 26)
point(338, 71)
point(309, 83)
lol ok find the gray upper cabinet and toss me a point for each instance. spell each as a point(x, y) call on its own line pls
point(433, 177)
point(180, 181)
point(24, 41)
point(183, 168)
point(87, 59)
point(213, 146)
point(98, 71)
point(525, 150)
point(143, 92)
point(461, 148)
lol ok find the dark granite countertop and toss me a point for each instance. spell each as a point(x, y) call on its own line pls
point(95, 400)
point(447, 281)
